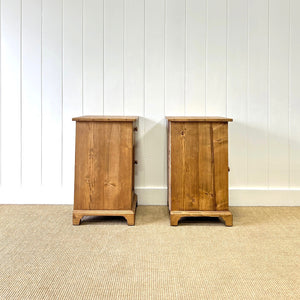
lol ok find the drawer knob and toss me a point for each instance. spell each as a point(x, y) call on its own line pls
point(135, 129)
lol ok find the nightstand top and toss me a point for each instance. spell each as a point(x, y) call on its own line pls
point(105, 119)
point(198, 119)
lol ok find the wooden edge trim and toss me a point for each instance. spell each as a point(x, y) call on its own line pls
point(134, 202)
point(105, 119)
point(226, 215)
point(202, 213)
point(198, 119)
point(107, 212)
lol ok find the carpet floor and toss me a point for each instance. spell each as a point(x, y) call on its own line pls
point(42, 256)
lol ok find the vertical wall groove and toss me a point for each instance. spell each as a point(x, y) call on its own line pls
point(289, 100)
point(165, 25)
point(0, 93)
point(205, 84)
point(83, 2)
point(21, 92)
point(62, 95)
point(185, 57)
point(226, 58)
point(268, 111)
point(123, 52)
point(41, 181)
point(144, 66)
point(103, 34)
point(247, 94)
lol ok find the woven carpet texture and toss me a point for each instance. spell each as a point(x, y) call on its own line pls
point(42, 256)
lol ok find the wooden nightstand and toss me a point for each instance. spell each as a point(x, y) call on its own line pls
point(198, 168)
point(104, 167)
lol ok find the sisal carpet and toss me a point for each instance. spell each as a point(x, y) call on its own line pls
point(42, 256)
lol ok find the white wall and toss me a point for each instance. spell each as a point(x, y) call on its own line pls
point(151, 58)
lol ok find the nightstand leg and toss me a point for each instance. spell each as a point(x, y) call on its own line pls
point(130, 219)
point(76, 219)
point(228, 220)
point(174, 220)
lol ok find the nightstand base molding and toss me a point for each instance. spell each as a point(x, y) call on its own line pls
point(129, 215)
point(226, 215)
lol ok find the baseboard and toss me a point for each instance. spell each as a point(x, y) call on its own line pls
point(264, 197)
point(150, 196)
point(237, 196)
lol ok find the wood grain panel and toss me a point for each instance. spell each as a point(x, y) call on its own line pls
point(198, 166)
point(220, 159)
point(177, 162)
point(103, 170)
point(205, 168)
point(190, 136)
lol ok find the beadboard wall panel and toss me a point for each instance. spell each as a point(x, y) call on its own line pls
point(31, 91)
point(279, 38)
point(294, 104)
point(257, 121)
point(134, 81)
point(113, 39)
point(92, 57)
point(72, 83)
point(195, 83)
point(237, 88)
point(151, 58)
point(175, 57)
point(155, 144)
point(11, 92)
point(216, 58)
point(52, 58)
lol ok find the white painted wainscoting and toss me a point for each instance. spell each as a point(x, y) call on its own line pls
point(151, 58)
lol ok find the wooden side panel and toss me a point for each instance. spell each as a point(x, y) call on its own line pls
point(103, 168)
point(177, 162)
point(169, 167)
point(123, 170)
point(191, 167)
point(192, 171)
point(205, 168)
point(85, 166)
point(220, 161)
